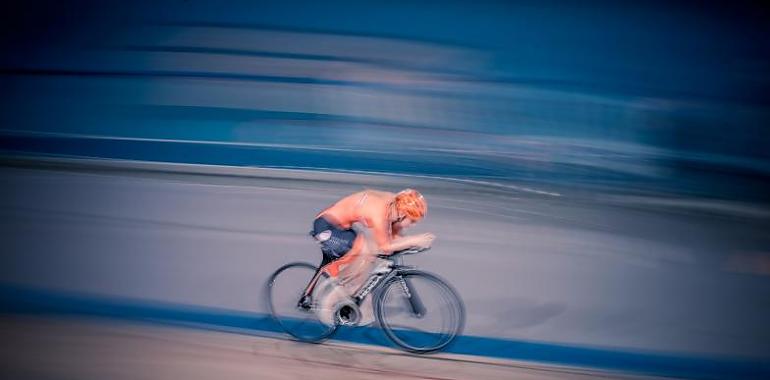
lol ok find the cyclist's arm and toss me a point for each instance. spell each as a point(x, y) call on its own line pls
point(387, 242)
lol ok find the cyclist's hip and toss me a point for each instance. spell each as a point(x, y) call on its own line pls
point(335, 241)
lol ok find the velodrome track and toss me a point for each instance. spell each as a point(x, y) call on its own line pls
point(99, 349)
point(570, 277)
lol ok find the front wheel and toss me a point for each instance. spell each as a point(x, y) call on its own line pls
point(419, 311)
point(284, 290)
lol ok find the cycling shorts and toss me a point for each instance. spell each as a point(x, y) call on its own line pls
point(335, 242)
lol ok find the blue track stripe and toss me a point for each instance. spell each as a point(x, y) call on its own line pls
point(27, 300)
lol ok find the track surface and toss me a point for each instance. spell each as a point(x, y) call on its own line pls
point(587, 270)
point(98, 349)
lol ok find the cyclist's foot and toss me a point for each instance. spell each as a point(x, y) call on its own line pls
point(305, 303)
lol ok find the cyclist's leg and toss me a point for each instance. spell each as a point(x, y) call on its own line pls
point(353, 270)
point(330, 266)
point(343, 264)
point(325, 260)
point(336, 245)
point(322, 232)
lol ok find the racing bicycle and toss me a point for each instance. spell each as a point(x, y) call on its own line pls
point(417, 310)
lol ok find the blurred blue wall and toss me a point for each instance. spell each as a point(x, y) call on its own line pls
point(657, 96)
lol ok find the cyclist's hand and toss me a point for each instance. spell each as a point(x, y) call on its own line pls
point(424, 241)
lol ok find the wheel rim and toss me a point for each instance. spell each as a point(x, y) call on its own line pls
point(441, 323)
point(285, 289)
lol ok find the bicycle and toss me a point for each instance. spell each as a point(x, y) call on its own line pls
point(402, 296)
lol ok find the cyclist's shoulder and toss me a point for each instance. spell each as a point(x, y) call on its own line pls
point(375, 211)
point(380, 194)
point(353, 197)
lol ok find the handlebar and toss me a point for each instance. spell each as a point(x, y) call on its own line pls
point(408, 251)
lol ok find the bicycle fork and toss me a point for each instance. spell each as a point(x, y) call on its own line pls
point(416, 306)
point(415, 303)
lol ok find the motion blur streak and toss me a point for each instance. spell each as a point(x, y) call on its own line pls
point(603, 167)
point(501, 108)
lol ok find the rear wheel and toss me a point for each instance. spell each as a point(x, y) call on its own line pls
point(419, 311)
point(284, 291)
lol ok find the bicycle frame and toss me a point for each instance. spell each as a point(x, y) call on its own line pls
point(376, 280)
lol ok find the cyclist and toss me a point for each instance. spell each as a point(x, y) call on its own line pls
point(384, 213)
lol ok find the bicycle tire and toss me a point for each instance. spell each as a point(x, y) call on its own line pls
point(450, 309)
point(302, 325)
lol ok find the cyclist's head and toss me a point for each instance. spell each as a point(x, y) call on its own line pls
point(410, 203)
